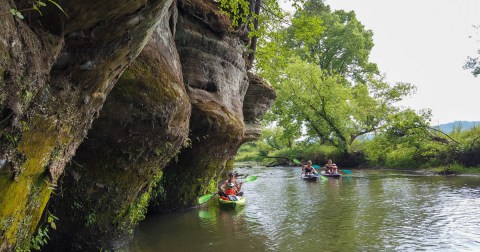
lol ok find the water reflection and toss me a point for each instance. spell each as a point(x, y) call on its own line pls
point(369, 211)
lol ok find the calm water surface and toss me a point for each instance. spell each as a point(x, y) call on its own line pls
point(369, 211)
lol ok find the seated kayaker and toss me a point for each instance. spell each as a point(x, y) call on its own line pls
point(225, 185)
point(330, 167)
point(231, 192)
point(308, 168)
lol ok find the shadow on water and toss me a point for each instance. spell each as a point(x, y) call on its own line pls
point(370, 210)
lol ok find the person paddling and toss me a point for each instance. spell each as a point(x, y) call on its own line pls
point(330, 167)
point(308, 168)
point(231, 191)
point(230, 183)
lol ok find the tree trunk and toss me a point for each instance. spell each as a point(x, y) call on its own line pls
point(253, 42)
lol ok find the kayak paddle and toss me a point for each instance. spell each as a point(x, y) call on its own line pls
point(296, 161)
point(207, 197)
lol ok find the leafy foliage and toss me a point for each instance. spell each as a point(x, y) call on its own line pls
point(41, 238)
point(325, 84)
point(341, 47)
point(237, 10)
point(37, 5)
point(260, 150)
point(410, 142)
point(329, 92)
point(473, 63)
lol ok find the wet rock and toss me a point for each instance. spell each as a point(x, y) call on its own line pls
point(258, 99)
point(44, 116)
point(142, 125)
point(217, 82)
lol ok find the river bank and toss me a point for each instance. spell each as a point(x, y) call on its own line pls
point(450, 170)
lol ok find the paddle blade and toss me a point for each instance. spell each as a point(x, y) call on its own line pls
point(205, 198)
point(296, 161)
point(347, 171)
point(323, 178)
point(250, 178)
point(316, 166)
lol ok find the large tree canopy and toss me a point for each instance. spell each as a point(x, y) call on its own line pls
point(342, 46)
point(326, 86)
point(330, 93)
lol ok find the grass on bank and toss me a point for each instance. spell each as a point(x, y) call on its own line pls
point(455, 169)
point(399, 159)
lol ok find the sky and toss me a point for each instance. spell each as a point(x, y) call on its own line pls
point(426, 43)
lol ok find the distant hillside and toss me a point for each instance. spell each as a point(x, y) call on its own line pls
point(465, 125)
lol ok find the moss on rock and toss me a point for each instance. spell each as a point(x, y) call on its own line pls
point(59, 70)
point(30, 189)
point(142, 125)
point(215, 134)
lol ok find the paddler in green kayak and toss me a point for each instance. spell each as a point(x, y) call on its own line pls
point(230, 184)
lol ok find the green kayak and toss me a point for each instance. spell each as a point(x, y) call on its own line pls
point(232, 203)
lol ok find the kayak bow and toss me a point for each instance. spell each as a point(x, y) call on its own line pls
point(232, 203)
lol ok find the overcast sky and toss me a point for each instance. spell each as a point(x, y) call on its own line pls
point(426, 43)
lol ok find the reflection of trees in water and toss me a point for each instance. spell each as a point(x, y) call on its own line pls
point(372, 211)
point(334, 184)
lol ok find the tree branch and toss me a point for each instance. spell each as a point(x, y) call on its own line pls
point(443, 134)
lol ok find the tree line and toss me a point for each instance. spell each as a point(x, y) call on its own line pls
point(331, 95)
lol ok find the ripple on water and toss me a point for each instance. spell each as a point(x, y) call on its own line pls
point(371, 211)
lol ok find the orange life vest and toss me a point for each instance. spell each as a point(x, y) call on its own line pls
point(231, 191)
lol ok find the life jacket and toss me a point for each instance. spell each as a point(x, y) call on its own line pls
point(231, 191)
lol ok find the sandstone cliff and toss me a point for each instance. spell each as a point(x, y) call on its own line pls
point(170, 124)
point(55, 75)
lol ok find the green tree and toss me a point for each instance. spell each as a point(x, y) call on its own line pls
point(277, 138)
point(341, 46)
point(326, 86)
point(329, 108)
point(408, 140)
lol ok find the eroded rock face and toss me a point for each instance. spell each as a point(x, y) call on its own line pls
point(258, 100)
point(216, 81)
point(55, 78)
point(142, 125)
point(55, 73)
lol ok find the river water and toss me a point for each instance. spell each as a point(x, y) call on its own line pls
point(369, 211)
